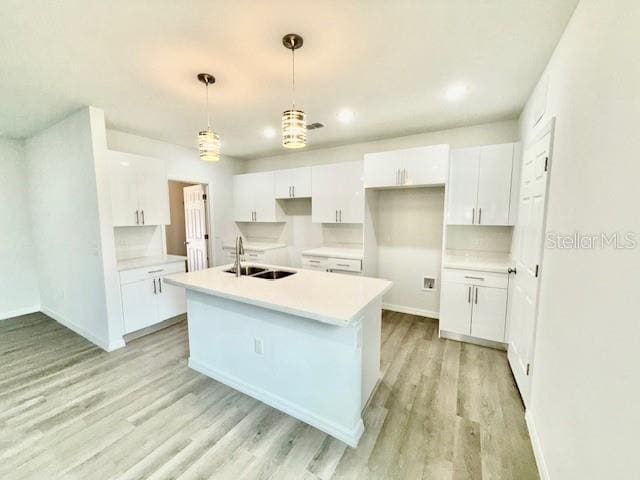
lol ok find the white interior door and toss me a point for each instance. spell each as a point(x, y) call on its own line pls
point(529, 231)
point(195, 219)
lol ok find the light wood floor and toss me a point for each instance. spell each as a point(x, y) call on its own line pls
point(445, 410)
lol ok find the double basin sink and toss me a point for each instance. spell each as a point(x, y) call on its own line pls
point(260, 272)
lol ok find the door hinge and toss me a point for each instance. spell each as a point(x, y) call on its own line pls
point(206, 236)
point(528, 368)
point(537, 270)
point(204, 195)
point(546, 164)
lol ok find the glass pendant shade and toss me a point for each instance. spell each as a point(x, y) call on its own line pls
point(294, 129)
point(209, 145)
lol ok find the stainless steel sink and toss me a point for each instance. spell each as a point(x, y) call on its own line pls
point(249, 270)
point(274, 274)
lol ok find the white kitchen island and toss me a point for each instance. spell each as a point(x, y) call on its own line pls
point(307, 344)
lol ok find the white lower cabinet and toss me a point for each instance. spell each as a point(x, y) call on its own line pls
point(147, 299)
point(474, 304)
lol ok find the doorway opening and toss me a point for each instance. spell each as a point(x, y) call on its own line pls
point(188, 233)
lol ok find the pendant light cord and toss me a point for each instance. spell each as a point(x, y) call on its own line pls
point(206, 86)
point(293, 75)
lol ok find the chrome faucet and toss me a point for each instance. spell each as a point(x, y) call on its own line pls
point(239, 253)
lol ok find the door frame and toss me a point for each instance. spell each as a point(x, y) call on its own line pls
point(209, 215)
point(548, 128)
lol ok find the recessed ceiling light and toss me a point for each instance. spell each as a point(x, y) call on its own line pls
point(456, 92)
point(345, 115)
point(269, 132)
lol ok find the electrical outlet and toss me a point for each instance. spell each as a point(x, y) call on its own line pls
point(258, 346)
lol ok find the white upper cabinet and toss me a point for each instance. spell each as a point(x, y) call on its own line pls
point(293, 183)
point(421, 166)
point(139, 190)
point(479, 186)
point(337, 193)
point(254, 198)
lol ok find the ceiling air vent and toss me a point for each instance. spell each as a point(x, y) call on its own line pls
point(315, 126)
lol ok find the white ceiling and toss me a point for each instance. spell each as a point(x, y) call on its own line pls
point(390, 61)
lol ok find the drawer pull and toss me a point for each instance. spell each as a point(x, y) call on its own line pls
point(474, 278)
point(342, 265)
point(156, 271)
point(313, 261)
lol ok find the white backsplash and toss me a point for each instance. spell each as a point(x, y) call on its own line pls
point(132, 242)
point(479, 238)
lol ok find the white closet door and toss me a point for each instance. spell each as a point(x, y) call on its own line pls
point(195, 214)
point(153, 191)
point(494, 184)
point(123, 184)
point(489, 313)
point(462, 195)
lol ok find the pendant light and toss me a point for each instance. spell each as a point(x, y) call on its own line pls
point(208, 140)
point(294, 121)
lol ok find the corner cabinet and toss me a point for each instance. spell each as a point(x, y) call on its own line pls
point(254, 198)
point(473, 304)
point(480, 184)
point(139, 190)
point(337, 193)
point(423, 166)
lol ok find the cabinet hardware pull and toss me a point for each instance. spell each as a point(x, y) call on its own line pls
point(342, 265)
point(473, 216)
point(313, 261)
point(398, 177)
point(142, 216)
point(156, 271)
point(404, 176)
point(336, 216)
point(340, 216)
point(469, 296)
point(137, 218)
point(293, 191)
point(476, 301)
point(480, 216)
point(160, 284)
point(154, 287)
point(474, 278)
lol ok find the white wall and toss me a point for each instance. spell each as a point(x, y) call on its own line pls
point(584, 404)
point(68, 186)
point(184, 164)
point(18, 278)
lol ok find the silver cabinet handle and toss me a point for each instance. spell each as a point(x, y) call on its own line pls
point(340, 216)
point(469, 296)
point(137, 218)
point(294, 191)
point(474, 278)
point(398, 177)
point(336, 216)
point(476, 301)
point(480, 216)
point(156, 271)
point(160, 284)
point(313, 261)
point(154, 287)
point(404, 176)
point(342, 265)
point(473, 216)
point(142, 211)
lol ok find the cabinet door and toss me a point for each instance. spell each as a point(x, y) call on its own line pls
point(382, 169)
point(455, 307)
point(462, 195)
point(301, 182)
point(324, 194)
point(153, 191)
point(283, 183)
point(262, 188)
point(349, 189)
point(139, 305)
point(489, 313)
point(172, 300)
point(242, 199)
point(124, 195)
point(494, 184)
point(426, 166)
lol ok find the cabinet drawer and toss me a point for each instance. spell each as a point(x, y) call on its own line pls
point(472, 277)
point(253, 256)
point(315, 263)
point(138, 274)
point(344, 264)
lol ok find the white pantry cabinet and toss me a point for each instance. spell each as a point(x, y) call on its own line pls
point(139, 190)
point(422, 166)
point(474, 304)
point(293, 183)
point(337, 193)
point(147, 299)
point(479, 187)
point(254, 198)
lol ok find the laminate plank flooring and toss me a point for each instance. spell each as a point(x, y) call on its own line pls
point(68, 410)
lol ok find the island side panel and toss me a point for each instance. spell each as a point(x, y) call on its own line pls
point(308, 369)
point(371, 345)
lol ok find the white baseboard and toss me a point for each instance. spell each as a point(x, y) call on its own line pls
point(350, 437)
point(537, 447)
point(19, 311)
point(83, 332)
point(411, 310)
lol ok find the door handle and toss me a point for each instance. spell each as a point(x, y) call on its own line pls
point(473, 216)
point(137, 218)
point(142, 216)
point(476, 300)
point(512, 270)
point(154, 287)
point(469, 296)
point(480, 216)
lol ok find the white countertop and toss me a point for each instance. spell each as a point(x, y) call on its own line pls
point(255, 246)
point(331, 298)
point(142, 262)
point(337, 252)
point(479, 261)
